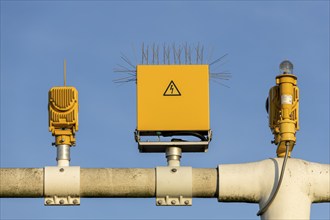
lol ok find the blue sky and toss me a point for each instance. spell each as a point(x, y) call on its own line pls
point(37, 35)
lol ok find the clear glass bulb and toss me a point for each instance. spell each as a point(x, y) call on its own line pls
point(286, 67)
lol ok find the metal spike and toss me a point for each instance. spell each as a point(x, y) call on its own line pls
point(202, 55)
point(217, 60)
point(157, 54)
point(174, 53)
point(153, 53)
point(64, 72)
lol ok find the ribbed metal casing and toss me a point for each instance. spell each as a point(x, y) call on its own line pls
point(63, 108)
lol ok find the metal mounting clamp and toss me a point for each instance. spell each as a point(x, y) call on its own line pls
point(62, 186)
point(173, 186)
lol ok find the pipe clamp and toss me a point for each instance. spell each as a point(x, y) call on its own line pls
point(173, 186)
point(62, 186)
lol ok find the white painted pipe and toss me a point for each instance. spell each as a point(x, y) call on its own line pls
point(303, 183)
point(103, 182)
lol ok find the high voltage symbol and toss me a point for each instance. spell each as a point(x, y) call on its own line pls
point(172, 90)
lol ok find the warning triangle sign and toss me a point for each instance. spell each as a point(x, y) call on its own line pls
point(172, 90)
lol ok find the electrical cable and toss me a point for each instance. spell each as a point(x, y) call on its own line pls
point(265, 208)
point(178, 133)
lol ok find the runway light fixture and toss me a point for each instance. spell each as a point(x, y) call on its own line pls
point(283, 109)
point(63, 118)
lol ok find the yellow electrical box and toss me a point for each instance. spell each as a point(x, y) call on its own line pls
point(63, 114)
point(173, 98)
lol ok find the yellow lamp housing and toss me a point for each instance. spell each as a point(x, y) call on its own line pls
point(283, 110)
point(63, 114)
point(173, 100)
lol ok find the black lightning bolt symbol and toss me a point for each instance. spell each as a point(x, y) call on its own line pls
point(174, 90)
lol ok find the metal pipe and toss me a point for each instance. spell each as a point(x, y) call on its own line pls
point(121, 182)
point(63, 155)
point(303, 183)
point(102, 182)
point(173, 156)
point(21, 182)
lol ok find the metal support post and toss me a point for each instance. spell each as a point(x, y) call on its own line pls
point(173, 183)
point(173, 156)
point(62, 182)
point(63, 155)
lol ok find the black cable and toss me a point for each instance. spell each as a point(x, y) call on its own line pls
point(178, 133)
point(265, 208)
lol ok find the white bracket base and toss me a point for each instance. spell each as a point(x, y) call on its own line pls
point(173, 186)
point(62, 186)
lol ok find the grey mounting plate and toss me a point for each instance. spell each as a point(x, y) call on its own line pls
point(160, 146)
point(173, 186)
point(62, 186)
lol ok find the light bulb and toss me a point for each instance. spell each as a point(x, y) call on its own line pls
point(286, 67)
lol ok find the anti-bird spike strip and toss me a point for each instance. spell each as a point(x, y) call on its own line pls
point(170, 54)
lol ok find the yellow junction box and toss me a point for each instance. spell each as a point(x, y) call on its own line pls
point(173, 98)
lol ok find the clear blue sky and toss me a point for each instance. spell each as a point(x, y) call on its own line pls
point(37, 35)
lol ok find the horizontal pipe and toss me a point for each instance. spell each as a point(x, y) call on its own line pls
point(303, 183)
point(21, 182)
point(107, 182)
point(102, 182)
point(250, 182)
point(319, 176)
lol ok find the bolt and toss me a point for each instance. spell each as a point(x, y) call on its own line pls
point(75, 201)
point(174, 170)
point(61, 170)
point(61, 201)
point(48, 201)
point(186, 202)
point(62, 140)
point(173, 202)
point(159, 202)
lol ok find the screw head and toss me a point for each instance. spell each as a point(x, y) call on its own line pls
point(62, 140)
point(173, 202)
point(61, 201)
point(186, 202)
point(174, 170)
point(48, 201)
point(75, 201)
point(159, 202)
point(62, 170)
